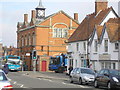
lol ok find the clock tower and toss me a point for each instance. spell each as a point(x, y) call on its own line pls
point(40, 11)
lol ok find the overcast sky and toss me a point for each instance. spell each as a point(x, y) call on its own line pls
point(11, 12)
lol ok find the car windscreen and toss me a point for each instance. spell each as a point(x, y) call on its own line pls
point(2, 77)
point(115, 72)
point(87, 71)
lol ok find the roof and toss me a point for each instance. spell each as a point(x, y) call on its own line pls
point(113, 30)
point(99, 29)
point(40, 5)
point(86, 28)
point(37, 22)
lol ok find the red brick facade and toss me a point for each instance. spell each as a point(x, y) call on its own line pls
point(47, 37)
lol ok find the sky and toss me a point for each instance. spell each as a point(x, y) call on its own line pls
point(12, 11)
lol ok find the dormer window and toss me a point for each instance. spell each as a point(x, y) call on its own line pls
point(116, 46)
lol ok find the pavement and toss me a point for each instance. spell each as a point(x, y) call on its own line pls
point(46, 75)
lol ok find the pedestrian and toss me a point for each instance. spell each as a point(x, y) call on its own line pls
point(70, 69)
point(90, 66)
point(6, 69)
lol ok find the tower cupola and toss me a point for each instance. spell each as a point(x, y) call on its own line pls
point(40, 11)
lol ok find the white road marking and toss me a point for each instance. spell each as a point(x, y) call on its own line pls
point(39, 78)
point(21, 85)
point(50, 80)
point(15, 82)
point(63, 83)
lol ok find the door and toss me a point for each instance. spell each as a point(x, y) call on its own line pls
point(44, 64)
point(73, 74)
point(105, 78)
point(77, 75)
point(100, 77)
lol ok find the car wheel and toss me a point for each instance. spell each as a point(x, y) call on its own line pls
point(80, 81)
point(109, 85)
point(96, 84)
point(71, 80)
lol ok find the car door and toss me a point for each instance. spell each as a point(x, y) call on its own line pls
point(100, 76)
point(73, 74)
point(105, 78)
point(77, 75)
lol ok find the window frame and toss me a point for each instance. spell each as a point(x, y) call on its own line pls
point(106, 45)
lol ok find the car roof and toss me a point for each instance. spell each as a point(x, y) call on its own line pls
point(83, 68)
point(109, 69)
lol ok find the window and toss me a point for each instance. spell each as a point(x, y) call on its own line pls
point(60, 33)
point(106, 45)
point(101, 72)
point(106, 72)
point(95, 45)
point(33, 38)
point(102, 65)
point(25, 40)
point(113, 65)
point(77, 46)
point(29, 40)
point(22, 41)
point(84, 44)
point(116, 46)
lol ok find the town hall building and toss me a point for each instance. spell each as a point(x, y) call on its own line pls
point(45, 34)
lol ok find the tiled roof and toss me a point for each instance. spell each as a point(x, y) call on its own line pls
point(113, 30)
point(114, 20)
point(36, 22)
point(86, 28)
point(99, 29)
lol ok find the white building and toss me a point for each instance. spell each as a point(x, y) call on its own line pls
point(104, 46)
point(79, 50)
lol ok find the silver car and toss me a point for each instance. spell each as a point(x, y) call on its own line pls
point(4, 82)
point(82, 75)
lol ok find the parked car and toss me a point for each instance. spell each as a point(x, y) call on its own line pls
point(4, 82)
point(82, 75)
point(109, 78)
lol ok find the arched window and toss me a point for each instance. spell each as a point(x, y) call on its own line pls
point(60, 33)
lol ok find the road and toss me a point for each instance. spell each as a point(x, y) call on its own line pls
point(19, 80)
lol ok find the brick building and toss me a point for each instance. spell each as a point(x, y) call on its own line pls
point(1, 51)
point(46, 34)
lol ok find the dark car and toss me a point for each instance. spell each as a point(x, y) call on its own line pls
point(109, 78)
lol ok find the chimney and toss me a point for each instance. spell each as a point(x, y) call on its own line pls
point(25, 18)
point(33, 14)
point(76, 16)
point(100, 5)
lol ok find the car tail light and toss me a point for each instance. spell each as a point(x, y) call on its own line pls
point(8, 87)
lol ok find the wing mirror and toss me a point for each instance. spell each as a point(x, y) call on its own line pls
point(106, 74)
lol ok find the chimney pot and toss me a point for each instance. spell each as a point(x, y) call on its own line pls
point(33, 14)
point(76, 16)
point(26, 18)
